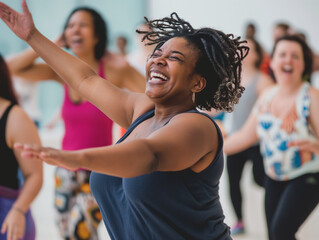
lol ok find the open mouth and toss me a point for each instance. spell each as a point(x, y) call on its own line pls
point(156, 77)
point(287, 69)
point(77, 40)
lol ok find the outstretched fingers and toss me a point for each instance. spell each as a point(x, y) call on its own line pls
point(29, 150)
point(8, 15)
point(299, 143)
point(5, 12)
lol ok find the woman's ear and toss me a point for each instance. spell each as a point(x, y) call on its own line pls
point(199, 84)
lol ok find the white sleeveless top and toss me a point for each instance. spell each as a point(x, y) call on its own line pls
point(283, 162)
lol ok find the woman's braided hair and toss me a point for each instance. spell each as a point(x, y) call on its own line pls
point(219, 60)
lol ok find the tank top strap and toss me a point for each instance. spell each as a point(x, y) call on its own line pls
point(3, 123)
point(140, 119)
point(303, 101)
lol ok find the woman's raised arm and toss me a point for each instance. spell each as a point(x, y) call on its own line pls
point(114, 102)
point(24, 65)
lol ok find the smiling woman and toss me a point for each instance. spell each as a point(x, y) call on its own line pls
point(161, 180)
point(286, 113)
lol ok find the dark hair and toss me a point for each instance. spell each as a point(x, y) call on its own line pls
point(307, 53)
point(284, 26)
point(251, 25)
point(6, 88)
point(219, 59)
point(100, 30)
point(258, 50)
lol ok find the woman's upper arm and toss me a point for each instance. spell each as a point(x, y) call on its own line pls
point(314, 110)
point(20, 128)
point(183, 142)
point(118, 104)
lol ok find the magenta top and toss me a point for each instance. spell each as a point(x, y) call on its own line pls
point(85, 125)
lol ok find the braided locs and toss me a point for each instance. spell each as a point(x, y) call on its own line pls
point(219, 60)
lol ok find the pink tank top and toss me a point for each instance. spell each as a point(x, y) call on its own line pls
point(85, 125)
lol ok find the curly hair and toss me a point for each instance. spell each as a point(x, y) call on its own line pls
point(100, 30)
point(219, 59)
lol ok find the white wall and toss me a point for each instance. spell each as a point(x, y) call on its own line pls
point(231, 15)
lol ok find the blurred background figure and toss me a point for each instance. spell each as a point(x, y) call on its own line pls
point(27, 93)
point(16, 221)
point(280, 29)
point(284, 113)
point(121, 43)
point(250, 31)
point(254, 82)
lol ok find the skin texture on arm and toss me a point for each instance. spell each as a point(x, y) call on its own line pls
point(21, 129)
point(78, 74)
point(24, 66)
point(243, 138)
point(173, 147)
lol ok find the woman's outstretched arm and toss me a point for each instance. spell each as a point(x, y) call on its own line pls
point(188, 141)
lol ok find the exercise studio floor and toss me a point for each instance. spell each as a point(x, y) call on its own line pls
point(43, 211)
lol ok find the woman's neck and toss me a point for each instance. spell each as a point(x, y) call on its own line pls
point(289, 89)
point(163, 113)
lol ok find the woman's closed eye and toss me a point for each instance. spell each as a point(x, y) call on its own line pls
point(175, 58)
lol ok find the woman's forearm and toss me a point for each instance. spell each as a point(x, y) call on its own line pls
point(22, 61)
point(129, 159)
point(30, 190)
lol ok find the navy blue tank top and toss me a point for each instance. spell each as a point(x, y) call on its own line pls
point(8, 162)
point(163, 205)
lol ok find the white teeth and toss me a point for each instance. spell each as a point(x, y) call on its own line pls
point(76, 39)
point(287, 68)
point(158, 75)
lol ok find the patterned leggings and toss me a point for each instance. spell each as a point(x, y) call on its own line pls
point(78, 215)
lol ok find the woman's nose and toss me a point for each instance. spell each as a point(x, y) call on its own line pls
point(160, 60)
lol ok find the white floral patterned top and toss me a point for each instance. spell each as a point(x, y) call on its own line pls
point(283, 162)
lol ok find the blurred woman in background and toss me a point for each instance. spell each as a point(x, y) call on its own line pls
point(16, 221)
point(254, 82)
point(286, 113)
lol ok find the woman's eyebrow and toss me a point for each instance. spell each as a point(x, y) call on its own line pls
point(178, 53)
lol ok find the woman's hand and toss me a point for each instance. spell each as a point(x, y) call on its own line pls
point(14, 224)
point(21, 24)
point(49, 155)
point(307, 145)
